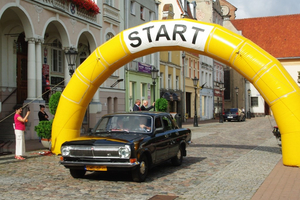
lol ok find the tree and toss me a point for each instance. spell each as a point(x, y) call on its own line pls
point(161, 104)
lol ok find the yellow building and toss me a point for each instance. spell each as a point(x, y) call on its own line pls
point(178, 68)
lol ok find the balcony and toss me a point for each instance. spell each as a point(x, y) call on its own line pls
point(65, 6)
point(111, 15)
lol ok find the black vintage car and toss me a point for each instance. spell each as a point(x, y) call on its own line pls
point(134, 141)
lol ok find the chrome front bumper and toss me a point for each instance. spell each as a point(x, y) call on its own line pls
point(107, 164)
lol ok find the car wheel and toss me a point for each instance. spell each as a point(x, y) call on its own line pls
point(77, 173)
point(140, 173)
point(177, 160)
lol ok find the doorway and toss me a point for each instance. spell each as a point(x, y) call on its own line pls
point(188, 104)
point(22, 69)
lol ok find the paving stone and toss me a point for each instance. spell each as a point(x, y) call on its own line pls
point(227, 160)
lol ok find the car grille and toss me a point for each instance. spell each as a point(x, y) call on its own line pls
point(94, 151)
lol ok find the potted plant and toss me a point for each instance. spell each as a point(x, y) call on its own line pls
point(161, 104)
point(44, 128)
point(89, 5)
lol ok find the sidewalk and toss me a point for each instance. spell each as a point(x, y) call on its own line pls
point(282, 183)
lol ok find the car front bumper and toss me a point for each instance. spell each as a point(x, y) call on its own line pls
point(70, 164)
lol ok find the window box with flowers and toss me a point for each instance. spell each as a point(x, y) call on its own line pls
point(88, 5)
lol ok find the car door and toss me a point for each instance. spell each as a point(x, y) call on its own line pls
point(160, 141)
point(174, 137)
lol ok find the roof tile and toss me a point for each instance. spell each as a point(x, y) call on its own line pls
point(278, 35)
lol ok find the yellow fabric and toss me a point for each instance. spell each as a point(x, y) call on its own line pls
point(265, 72)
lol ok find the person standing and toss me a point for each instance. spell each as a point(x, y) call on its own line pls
point(19, 132)
point(145, 104)
point(42, 114)
point(137, 104)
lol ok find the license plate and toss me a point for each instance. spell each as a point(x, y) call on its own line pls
point(95, 168)
point(229, 116)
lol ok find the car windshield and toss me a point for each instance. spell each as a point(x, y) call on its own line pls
point(124, 123)
point(232, 110)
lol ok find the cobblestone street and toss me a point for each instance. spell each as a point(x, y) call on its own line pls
point(227, 160)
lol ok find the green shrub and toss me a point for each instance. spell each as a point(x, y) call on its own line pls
point(43, 129)
point(53, 102)
point(161, 104)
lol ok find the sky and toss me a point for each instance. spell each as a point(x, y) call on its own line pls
point(264, 8)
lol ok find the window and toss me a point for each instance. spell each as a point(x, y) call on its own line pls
point(158, 123)
point(190, 68)
point(254, 101)
point(132, 88)
point(169, 56)
point(151, 57)
point(151, 14)
point(161, 77)
point(109, 2)
point(116, 104)
point(57, 57)
point(142, 13)
point(177, 83)
point(109, 36)
point(132, 8)
point(109, 105)
point(144, 91)
point(169, 81)
point(167, 123)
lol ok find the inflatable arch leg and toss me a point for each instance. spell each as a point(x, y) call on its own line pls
point(264, 71)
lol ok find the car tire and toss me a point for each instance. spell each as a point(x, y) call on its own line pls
point(177, 160)
point(139, 174)
point(77, 173)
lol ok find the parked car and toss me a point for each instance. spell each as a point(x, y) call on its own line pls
point(234, 114)
point(133, 141)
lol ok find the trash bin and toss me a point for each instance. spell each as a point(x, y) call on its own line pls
point(221, 118)
point(178, 120)
point(248, 115)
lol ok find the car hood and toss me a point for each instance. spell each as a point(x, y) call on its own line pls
point(106, 139)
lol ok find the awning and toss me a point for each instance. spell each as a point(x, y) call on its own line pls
point(171, 96)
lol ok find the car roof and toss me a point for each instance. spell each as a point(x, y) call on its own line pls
point(149, 113)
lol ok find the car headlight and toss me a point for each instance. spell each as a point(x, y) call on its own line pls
point(125, 152)
point(65, 151)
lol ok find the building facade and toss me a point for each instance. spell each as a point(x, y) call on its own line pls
point(178, 68)
point(35, 36)
point(139, 83)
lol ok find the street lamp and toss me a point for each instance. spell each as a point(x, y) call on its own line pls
point(71, 56)
point(237, 94)
point(154, 75)
point(195, 81)
point(249, 112)
point(221, 113)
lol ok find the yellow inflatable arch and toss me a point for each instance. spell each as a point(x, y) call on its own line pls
point(265, 72)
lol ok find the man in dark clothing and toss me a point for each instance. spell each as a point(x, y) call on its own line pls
point(145, 104)
point(137, 104)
